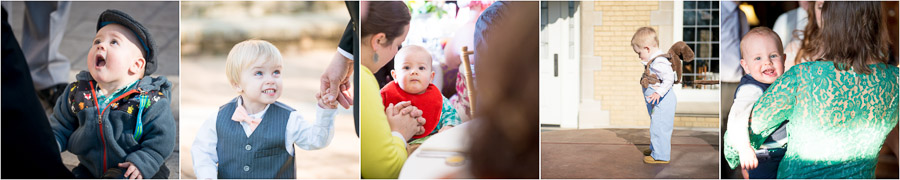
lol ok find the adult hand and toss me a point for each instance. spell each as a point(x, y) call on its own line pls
point(405, 119)
point(748, 158)
point(416, 114)
point(132, 171)
point(335, 82)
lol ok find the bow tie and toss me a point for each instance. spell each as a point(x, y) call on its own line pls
point(240, 115)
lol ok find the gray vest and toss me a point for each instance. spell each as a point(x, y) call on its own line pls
point(260, 156)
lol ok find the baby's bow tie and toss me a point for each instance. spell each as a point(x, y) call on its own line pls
point(240, 115)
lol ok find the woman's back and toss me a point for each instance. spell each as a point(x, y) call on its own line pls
point(838, 119)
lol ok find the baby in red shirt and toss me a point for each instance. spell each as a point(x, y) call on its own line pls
point(412, 82)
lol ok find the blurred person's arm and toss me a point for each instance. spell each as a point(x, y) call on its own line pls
point(336, 85)
point(383, 154)
point(335, 81)
point(310, 135)
point(203, 150)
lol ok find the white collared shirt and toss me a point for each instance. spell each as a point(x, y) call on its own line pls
point(307, 135)
point(788, 23)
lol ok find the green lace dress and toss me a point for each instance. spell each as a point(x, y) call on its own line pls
point(838, 119)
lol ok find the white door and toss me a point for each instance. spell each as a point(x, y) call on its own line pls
point(559, 60)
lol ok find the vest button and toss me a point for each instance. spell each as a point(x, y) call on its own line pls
point(246, 168)
point(247, 147)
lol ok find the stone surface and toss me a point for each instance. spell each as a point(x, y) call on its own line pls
point(616, 154)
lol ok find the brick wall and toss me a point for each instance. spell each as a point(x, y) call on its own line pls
point(615, 85)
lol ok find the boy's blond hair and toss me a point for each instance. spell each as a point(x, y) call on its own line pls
point(245, 53)
point(762, 31)
point(645, 36)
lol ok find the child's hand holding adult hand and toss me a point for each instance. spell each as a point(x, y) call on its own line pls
point(654, 98)
point(326, 101)
point(132, 171)
point(748, 158)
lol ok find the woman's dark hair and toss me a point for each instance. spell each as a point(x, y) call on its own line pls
point(808, 47)
point(855, 34)
point(388, 17)
point(506, 56)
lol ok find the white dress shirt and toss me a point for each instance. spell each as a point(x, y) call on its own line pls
point(663, 69)
point(307, 135)
point(788, 23)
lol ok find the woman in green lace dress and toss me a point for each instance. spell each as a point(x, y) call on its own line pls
point(840, 107)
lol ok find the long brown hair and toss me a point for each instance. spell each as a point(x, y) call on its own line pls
point(808, 44)
point(385, 17)
point(855, 34)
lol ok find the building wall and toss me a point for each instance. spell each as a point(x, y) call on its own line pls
point(611, 94)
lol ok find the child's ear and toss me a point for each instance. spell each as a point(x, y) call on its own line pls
point(744, 66)
point(237, 88)
point(393, 75)
point(138, 66)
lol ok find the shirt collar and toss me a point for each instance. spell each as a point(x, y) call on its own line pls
point(652, 56)
point(259, 114)
point(104, 100)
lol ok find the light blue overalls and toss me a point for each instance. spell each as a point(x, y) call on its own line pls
point(662, 117)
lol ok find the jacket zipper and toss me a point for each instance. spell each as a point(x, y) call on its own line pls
point(100, 118)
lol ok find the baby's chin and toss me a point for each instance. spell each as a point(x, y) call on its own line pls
point(765, 78)
point(102, 76)
point(414, 89)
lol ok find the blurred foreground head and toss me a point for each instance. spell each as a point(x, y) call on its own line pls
point(506, 61)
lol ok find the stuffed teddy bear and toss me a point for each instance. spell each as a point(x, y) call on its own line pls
point(678, 53)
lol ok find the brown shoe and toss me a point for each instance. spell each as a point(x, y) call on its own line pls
point(650, 160)
point(647, 152)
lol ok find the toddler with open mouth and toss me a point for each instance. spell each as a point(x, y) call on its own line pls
point(762, 57)
point(115, 117)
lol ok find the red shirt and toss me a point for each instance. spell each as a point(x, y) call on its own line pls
point(429, 102)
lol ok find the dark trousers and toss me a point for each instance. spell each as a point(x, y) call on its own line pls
point(768, 167)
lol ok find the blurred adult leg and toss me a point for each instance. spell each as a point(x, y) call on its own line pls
point(43, 29)
point(31, 150)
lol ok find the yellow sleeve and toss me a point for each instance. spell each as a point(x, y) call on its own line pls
point(382, 154)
